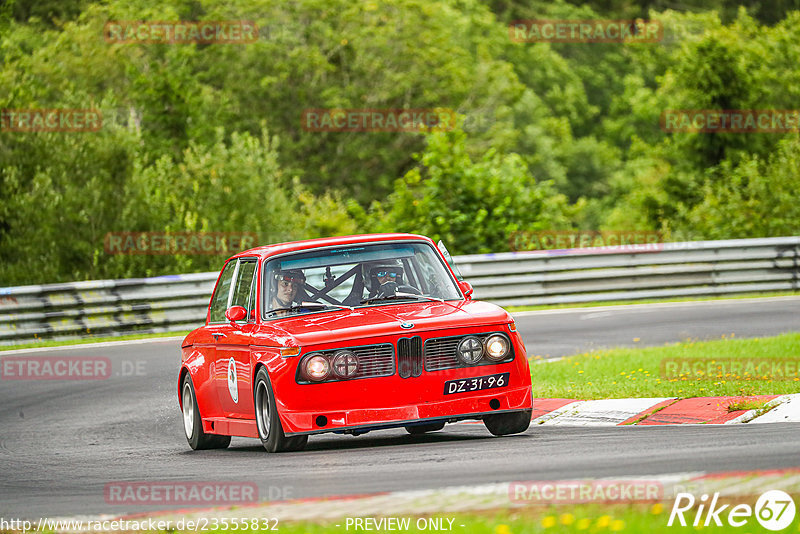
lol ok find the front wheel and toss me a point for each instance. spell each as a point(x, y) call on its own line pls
point(269, 424)
point(502, 424)
point(193, 425)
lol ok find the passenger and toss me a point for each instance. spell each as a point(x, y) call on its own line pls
point(285, 288)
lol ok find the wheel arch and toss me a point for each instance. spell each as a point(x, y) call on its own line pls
point(184, 371)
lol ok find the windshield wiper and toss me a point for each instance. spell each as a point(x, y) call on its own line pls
point(403, 296)
point(306, 305)
point(412, 295)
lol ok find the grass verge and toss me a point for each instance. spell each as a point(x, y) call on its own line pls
point(589, 518)
point(630, 372)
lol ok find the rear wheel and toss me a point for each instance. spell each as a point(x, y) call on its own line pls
point(502, 424)
point(269, 425)
point(416, 430)
point(193, 425)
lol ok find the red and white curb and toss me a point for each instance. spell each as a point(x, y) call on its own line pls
point(504, 495)
point(663, 411)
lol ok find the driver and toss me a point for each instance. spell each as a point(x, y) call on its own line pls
point(285, 286)
point(386, 279)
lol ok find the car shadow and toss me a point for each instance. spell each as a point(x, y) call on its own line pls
point(328, 442)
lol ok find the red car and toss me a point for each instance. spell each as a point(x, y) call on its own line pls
point(347, 335)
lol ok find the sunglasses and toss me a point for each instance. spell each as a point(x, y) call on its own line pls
point(390, 274)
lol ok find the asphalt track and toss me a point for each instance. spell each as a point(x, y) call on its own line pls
point(61, 442)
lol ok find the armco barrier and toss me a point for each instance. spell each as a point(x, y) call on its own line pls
point(175, 303)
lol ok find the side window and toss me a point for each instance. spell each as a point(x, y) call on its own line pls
point(244, 283)
point(251, 303)
point(219, 302)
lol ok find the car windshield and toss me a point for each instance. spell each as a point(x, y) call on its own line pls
point(355, 275)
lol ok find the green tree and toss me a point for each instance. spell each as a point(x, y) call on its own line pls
point(474, 206)
point(757, 198)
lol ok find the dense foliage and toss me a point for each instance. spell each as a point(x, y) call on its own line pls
point(209, 137)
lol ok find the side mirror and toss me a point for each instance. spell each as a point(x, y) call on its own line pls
point(235, 313)
point(466, 288)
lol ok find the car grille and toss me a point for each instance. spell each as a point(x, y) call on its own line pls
point(374, 360)
point(440, 353)
point(409, 356)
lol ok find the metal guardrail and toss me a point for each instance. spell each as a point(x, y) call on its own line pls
point(176, 303)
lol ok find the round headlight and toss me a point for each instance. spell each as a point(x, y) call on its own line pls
point(317, 367)
point(345, 364)
point(470, 350)
point(497, 347)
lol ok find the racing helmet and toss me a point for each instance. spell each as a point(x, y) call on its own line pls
point(288, 275)
point(376, 269)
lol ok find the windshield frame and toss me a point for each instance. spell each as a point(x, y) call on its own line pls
point(389, 302)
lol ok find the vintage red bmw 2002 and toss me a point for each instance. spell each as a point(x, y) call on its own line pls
point(347, 335)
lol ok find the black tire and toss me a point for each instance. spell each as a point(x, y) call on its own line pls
point(416, 430)
point(193, 424)
point(269, 424)
point(502, 424)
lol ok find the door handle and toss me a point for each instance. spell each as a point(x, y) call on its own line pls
point(217, 335)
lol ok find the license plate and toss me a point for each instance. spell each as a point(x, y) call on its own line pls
point(477, 383)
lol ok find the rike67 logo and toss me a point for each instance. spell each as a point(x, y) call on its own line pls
point(774, 510)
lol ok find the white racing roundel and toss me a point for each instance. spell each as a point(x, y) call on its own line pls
point(233, 382)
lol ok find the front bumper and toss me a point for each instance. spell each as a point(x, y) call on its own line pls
point(470, 406)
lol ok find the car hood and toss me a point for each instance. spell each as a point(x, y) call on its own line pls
point(343, 325)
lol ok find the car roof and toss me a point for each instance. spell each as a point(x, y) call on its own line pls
point(294, 246)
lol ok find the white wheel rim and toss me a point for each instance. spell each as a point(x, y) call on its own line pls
point(262, 409)
point(188, 411)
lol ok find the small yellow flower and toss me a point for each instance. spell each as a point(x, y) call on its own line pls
point(603, 521)
point(548, 521)
point(566, 519)
point(583, 524)
point(617, 525)
point(657, 508)
point(502, 529)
